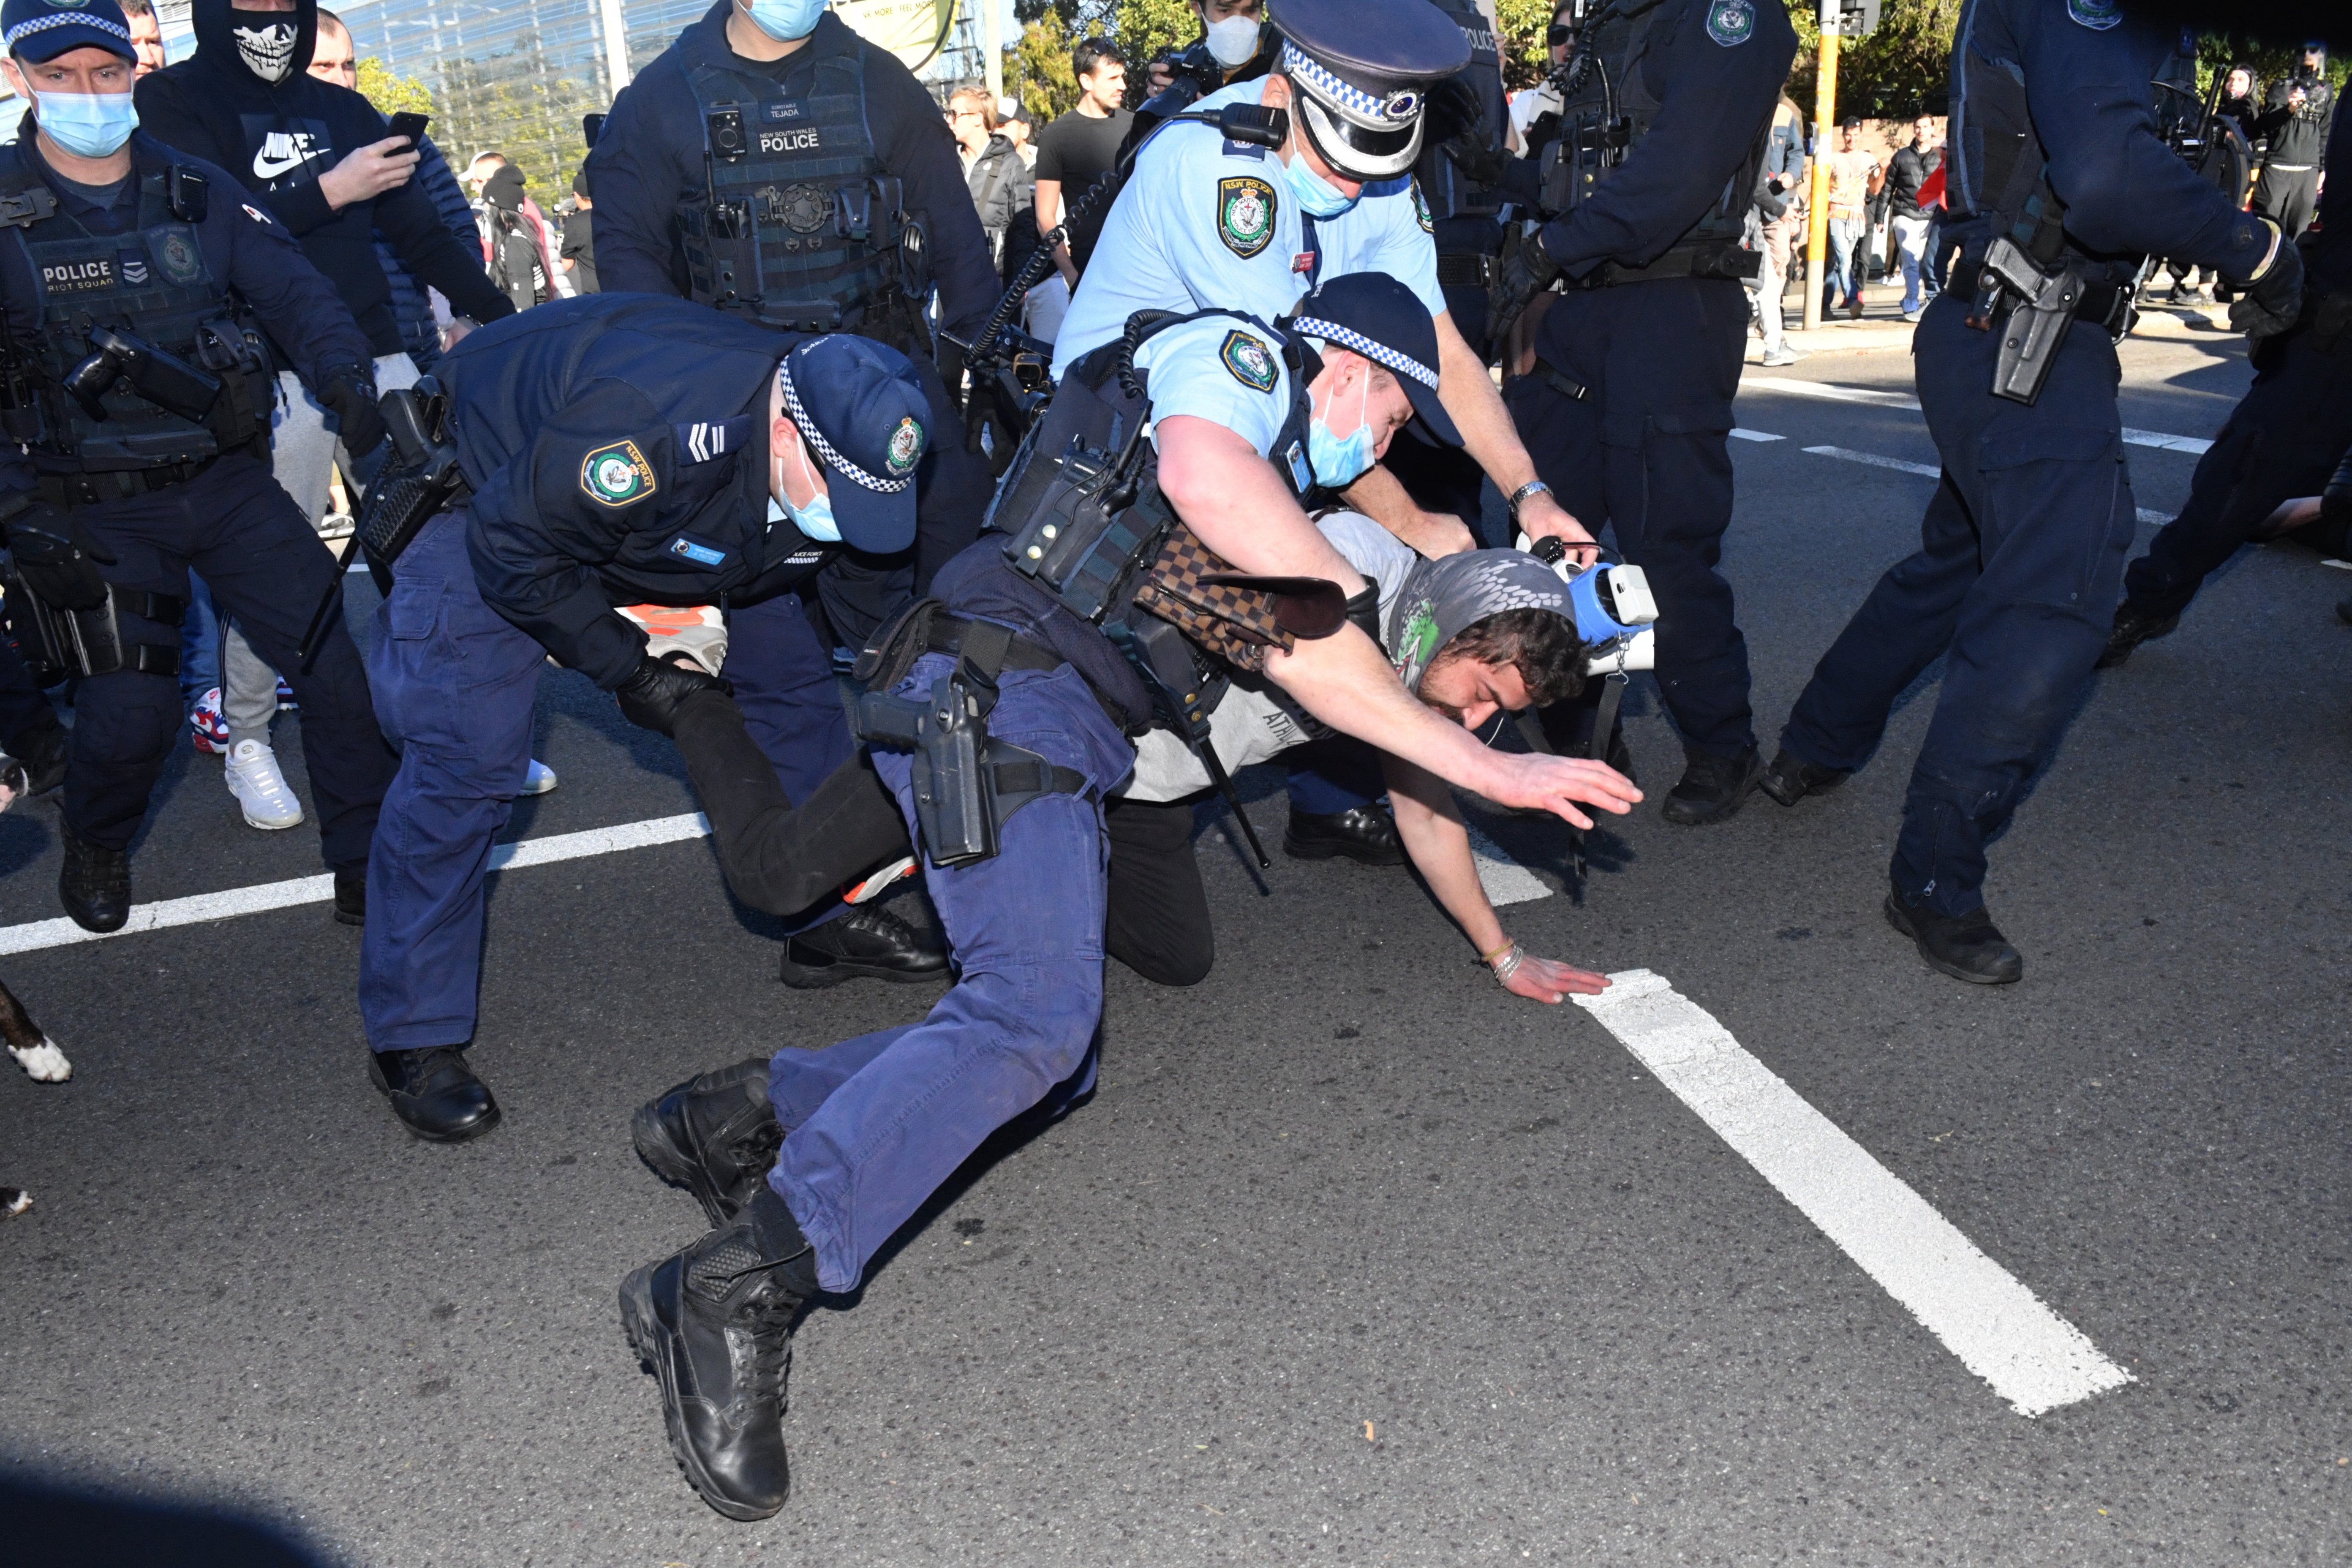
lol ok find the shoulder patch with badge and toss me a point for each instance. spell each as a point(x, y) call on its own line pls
point(1730, 21)
point(906, 447)
point(1421, 210)
point(1246, 209)
point(616, 475)
point(2097, 15)
point(1251, 361)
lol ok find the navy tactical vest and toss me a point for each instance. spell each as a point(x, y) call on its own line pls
point(1449, 192)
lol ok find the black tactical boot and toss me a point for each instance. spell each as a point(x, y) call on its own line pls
point(715, 1135)
point(1965, 947)
point(1366, 834)
point(1712, 787)
point(714, 1324)
point(1791, 778)
point(2134, 625)
point(350, 896)
point(94, 884)
point(434, 1093)
point(870, 941)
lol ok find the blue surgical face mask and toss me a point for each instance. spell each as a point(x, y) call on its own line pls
point(784, 20)
point(87, 124)
point(1340, 461)
point(814, 519)
point(1317, 196)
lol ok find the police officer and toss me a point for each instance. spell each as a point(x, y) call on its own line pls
point(2281, 441)
point(138, 429)
point(2023, 547)
point(620, 449)
point(1629, 406)
point(1205, 220)
point(773, 162)
point(870, 1128)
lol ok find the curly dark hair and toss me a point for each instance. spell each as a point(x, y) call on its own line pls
point(1543, 645)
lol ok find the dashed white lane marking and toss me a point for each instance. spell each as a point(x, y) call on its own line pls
point(2032, 1357)
point(1739, 434)
point(1883, 399)
point(199, 907)
point(1506, 880)
point(1930, 472)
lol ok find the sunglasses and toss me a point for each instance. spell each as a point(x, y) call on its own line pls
point(1557, 34)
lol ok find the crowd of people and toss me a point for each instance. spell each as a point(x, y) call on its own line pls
point(1258, 296)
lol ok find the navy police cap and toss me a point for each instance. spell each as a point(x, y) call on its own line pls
point(1363, 68)
point(39, 30)
point(1373, 314)
point(859, 407)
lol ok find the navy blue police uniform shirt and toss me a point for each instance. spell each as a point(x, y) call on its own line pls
point(2086, 70)
point(1716, 70)
point(244, 247)
point(648, 159)
point(617, 447)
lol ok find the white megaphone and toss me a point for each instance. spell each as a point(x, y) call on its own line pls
point(1615, 615)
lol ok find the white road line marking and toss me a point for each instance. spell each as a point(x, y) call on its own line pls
point(199, 907)
point(1754, 434)
point(2170, 443)
point(1871, 395)
point(1506, 880)
point(1927, 471)
point(2034, 1358)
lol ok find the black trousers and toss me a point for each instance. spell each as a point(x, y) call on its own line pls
point(2283, 440)
point(242, 532)
point(23, 708)
point(2288, 197)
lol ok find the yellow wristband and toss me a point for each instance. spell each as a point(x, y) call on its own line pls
point(1488, 958)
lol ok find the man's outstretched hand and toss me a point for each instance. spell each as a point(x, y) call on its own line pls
point(1551, 982)
point(1557, 784)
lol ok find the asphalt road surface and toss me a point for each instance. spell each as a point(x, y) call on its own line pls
point(1353, 1258)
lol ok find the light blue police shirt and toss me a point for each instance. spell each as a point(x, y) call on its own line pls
point(1202, 222)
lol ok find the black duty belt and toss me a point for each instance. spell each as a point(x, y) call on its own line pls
point(2102, 303)
point(71, 491)
point(1726, 260)
point(947, 636)
point(1567, 386)
point(1466, 269)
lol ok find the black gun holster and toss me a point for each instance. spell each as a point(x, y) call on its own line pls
point(423, 479)
point(56, 643)
point(968, 784)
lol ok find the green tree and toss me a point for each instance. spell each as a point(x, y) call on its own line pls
point(1037, 70)
point(1143, 28)
point(391, 92)
point(1521, 27)
point(1898, 70)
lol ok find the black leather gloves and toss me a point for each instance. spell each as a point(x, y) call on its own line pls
point(56, 559)
point(352, 396)
point(1528, 272)
point(651, 698)
point(1458, 122)
point(2273, 297)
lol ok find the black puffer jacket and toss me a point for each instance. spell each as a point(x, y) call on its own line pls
point(279, 136)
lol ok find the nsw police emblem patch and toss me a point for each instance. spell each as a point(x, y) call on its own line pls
point(176, 254)
point(1246, 209)
point(1250, 360)
point(2097, 15)
point(1421, 210)
point(906, 447)
point(616, 475)
point(1730, 21)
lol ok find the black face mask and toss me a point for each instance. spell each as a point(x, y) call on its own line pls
point(264, 40)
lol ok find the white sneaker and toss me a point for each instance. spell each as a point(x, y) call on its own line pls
point(538, 778)
point(253, 777)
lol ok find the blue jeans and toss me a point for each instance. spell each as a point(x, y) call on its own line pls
point(2014, 584)
point(200, 636)
point(1847, 263)
point(874, 1125)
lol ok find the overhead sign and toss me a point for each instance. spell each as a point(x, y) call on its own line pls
point(912, 29)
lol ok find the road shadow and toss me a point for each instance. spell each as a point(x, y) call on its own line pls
point(46, 1522)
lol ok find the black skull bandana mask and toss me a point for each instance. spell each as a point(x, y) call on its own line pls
point(266, 41)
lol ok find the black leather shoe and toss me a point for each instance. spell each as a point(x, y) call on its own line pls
point(869, 942)
point(714, 1324)
point(1365, 833)
point(434, 1093)
point(350, 897)
point(95, 885)
point(1712, 787)
point(1967, 947)
point(715, 1135)
point(1791, 778)
point(2134, 625)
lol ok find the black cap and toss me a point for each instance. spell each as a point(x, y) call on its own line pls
point(38, 30)
point(1362, 69)
point(1372, 314)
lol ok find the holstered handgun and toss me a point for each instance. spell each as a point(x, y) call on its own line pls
point(955, 785)
point(2041, 306)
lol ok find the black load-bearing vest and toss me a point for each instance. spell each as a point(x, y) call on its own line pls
point(1449, 192)
point(153, 283)
point(797, 223)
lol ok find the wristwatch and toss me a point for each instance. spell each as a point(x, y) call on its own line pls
point(1519, 496)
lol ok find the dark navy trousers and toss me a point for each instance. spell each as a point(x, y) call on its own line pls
point(23, 707)
point(1646, 452)
point(455, 684)
point(2283, 440)
point(240, 530)
point(874, 1125)
point(2014, 586)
